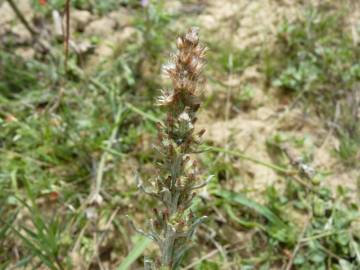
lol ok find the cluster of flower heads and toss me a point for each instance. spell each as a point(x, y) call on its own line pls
point(182, 101)
point(184, 70)
point(177, 177)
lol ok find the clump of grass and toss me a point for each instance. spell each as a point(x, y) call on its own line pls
point(316, 60)
point(17, 75)
point(315, 55)
point(177, 176)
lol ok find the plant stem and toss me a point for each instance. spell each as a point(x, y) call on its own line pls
point(67, 32)
point(242, 156)
point(21, 17)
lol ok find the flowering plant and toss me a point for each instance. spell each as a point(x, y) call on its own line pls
point(177, 178)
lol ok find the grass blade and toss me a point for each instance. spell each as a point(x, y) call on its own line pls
point(236, 198)
point(139, 247)
point(146, 115)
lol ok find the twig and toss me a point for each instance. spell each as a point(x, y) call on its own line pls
point(356, 250)
point(57, 101)
point(67, 32)
point(228, 109)
point(234, 247)
point(101, 238)
point(331, 128)
point(301, 182)
point(21, 17)
point(298, 245)
point(58, 28)
point(76, 246)
point(245, 157)
point(321, 235)
point(330, 253)
point(207, 256)
point(298, 162)
point(211, 236)
point(280, 116)
point(100, 170)
point(34, 33)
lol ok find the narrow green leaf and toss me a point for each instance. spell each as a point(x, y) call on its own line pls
point(141, 244)
point(242, 222)
point(245, 157)
point(237, 198)
point(146, 115)
point(277, 228)
point(35, 249)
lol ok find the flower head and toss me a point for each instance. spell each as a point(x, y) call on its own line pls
point(166, 98)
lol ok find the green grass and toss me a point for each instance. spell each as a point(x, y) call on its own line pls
point(316, 61)
point(62, 134)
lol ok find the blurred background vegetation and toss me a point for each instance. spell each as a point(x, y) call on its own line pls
point(281, 109)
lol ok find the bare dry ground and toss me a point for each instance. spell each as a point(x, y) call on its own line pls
point(253, 24)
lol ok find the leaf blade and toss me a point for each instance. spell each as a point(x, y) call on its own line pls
point(140, 245)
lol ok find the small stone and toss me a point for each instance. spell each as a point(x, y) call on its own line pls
point(116, 39)
point(126, 34)
point(102, 27)
point(91, 213)
point(104, 50)
point(25, 53)
point(173, 7)
point(22, 33)
point(209, 22)
point(83, 47)
point(81, 18)
point(7, 14)
point(122, 17)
